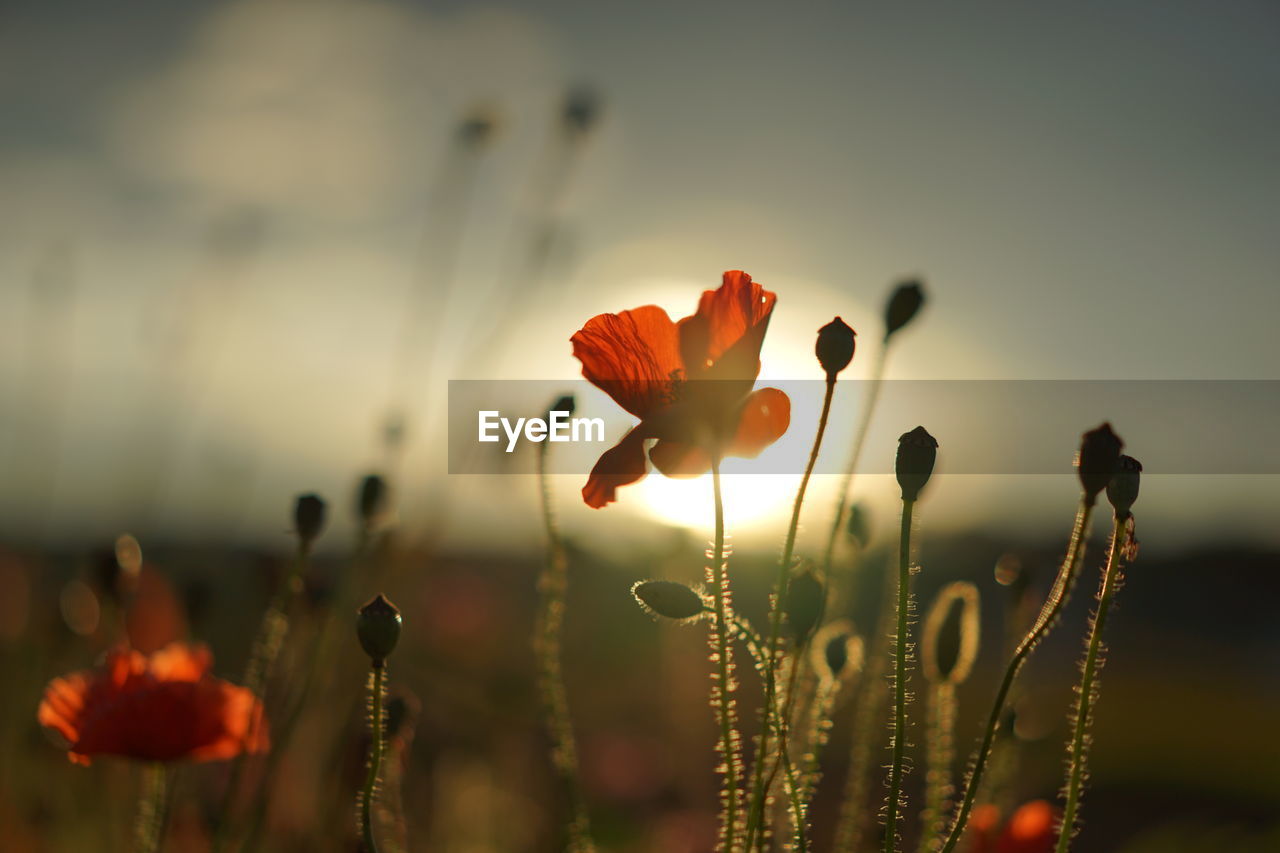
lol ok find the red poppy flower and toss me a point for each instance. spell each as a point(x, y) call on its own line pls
point(159, 707)
point(1032, 829)
point(688, 382)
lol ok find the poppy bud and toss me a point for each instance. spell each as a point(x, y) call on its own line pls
point(836, 342)
point(806, 595)
point(371, 501)
point(378, 627)
point(308, 517)
point(1098, 459)
point(669, 599)
point(1122, 491)
point(837, 650)
point(917, 451)
point(581, 109)
point(903, 305)
point(858, 526)
point(951, 634)
point(476, 129)
point(567, 403)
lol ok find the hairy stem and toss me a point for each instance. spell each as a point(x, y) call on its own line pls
point(1039, 629)
point(553, 585)
point(149, 828)
point(900, 679)
point(369, 844)
point(722, 691)
point(759, 792)
point(941, 751)
point(1086, 693)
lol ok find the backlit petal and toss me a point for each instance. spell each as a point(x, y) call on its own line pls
point(765, 416)
point(619, 466)
point(633, 356)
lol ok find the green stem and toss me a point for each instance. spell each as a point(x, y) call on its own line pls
point(552, 587)
point(941, 725)
point(375, 759)
point(151, 806)
point(1039, 629)
point(1088, 685)
point(721, 698)
point(780, 593)
point(900, 678)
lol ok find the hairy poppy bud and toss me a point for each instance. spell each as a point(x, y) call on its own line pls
point(1098, 459)
point(371, 501)
point(837, 651)
point(806, 595)
point(308, 517)
point(917, 451)
point(378, 627)
point(669, 599)
point(567, 403)
point(859, 525)
point(951, 634)
point(836, 342)
point(1122, 491)
point(903, 305)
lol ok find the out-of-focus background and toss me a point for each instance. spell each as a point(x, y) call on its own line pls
point(244, 246)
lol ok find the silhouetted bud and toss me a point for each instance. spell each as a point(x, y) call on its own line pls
point(371, 501)
point(903, 305)
point(308, 517)
point(567, 403)
point(1008, 570)
point(581, 110)
point(836, 342)
point(917, 451)
point(950, 641)
point(669, 599)
point(837, 650)
point(378, 627)
point(1098, 459)
point(859, 525)
point(476, 129)
point(806, 595)
point(1122, 491)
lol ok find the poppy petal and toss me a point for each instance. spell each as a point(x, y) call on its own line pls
point(723, 339)
point(618, 466)
point(634, 357)
point(764, 419)
point(679, 459)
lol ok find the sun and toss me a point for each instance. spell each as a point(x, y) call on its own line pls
point(749, 499)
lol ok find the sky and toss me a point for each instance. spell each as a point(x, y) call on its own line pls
point(233, 236)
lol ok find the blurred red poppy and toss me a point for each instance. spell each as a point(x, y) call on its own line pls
point(159, 707)
point(689, 383)
point(1032, 829)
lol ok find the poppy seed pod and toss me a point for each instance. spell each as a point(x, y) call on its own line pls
point(308, 517)
point(669, 599)
point(581, 110)
point(372, 498)
point(837, 651)
point(858, 527)
point(806, 595)
point(1098, 459)
point(835, 346)
point(378, 628)
point(1122, 491)
point(917, 451)
point(951, 634)
point(476, 129)
point(903, 305)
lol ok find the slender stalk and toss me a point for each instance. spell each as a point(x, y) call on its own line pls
point(149, 828)
point(941, 751)
point(900, 678)
point(1086, 693)
point(369, 844)
point(780, 592)
point(262, 660)
point(730, 747)
point(1039, 629)
point(552, 586)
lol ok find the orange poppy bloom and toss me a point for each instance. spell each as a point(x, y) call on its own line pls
point(1031, 829)
point(159, 707)
point(690, 383)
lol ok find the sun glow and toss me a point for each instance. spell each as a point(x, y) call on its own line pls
point(749, 499)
